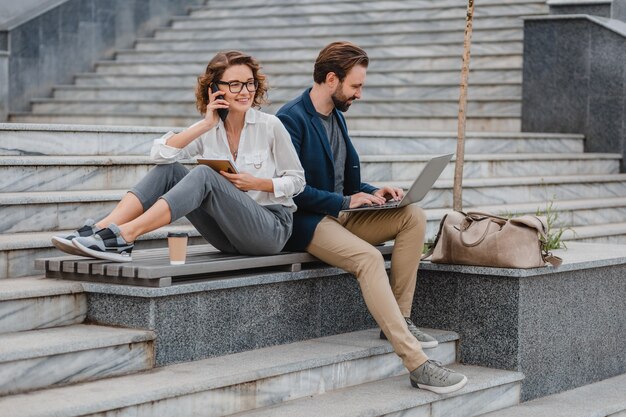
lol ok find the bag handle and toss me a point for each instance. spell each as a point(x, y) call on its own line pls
point(478, 241)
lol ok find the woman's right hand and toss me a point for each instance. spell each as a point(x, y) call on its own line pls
point(211, 116)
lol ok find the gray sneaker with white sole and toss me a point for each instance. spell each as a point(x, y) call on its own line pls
point(432, 376)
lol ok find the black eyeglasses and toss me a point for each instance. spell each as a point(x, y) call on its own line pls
point(236, 86)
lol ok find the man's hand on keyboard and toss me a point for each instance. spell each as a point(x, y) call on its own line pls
point(390, 193)
point(364, 199)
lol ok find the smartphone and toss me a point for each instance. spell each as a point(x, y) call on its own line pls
point(221, 112)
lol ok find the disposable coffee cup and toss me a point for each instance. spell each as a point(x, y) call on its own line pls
point(177, 244)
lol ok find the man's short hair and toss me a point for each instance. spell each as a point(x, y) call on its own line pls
point(340, 58)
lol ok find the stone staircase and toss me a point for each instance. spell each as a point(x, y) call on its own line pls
point(412, 81)
point(52, 365)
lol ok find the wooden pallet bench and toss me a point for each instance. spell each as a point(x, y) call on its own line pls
point(151, 267)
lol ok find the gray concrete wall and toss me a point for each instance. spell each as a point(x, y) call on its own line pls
point(574, 79)
point(67, 39)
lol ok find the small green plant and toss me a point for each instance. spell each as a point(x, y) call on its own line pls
point(553, 234)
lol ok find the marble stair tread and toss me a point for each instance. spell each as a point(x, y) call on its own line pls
point(595, 230)
point(235, 4)
point(35, 287)
point(493, 157)
point(603, 398)
point(60, 340)
point(384, 5)
point(103, 160)
point(189, 378)
point(510, 181)
point(531, 208)
point(48, 197)
point(395, 395)
point(31, 240)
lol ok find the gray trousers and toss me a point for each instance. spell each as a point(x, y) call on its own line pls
point(224, 215)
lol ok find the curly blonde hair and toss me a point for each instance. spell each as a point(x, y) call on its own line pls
point(215, 69)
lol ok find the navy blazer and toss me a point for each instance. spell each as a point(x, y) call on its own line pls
point(313, 147)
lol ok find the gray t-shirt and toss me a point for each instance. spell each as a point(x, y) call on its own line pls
point(338, 148)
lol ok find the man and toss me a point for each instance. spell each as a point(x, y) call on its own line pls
point(345, 239)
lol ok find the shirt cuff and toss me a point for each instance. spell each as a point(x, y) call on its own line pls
point(345, 204)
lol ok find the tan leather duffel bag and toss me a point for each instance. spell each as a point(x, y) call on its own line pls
point(483, 239)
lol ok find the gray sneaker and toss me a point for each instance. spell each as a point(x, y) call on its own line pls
point(433, 377)
point(65, 243)
point(426, 340)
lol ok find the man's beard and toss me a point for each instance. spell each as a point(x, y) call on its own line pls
point(340, 101)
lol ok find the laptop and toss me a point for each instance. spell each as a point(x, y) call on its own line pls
point(420, 187)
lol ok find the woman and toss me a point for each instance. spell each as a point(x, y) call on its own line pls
point(249, 212)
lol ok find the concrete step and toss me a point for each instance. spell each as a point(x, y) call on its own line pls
point(199, 41)
point(598, 233)
point(72, 173)
point(50, 139)
point(498, 107)
point(375, 79)
point(398, 122)
point(600, 399)
point(59, 356)
point(407, 167)
point(232, 383)
point(486, 390)
point(18, 251)
point(351, 7)
point(280, 95)
point(415, 34)
point(310, 53)
point(514, 190)
point(234, 4)
point(82, 173)
point(433, 143)
point(64, 140)
point(364, 15)
point(34, 303)
point(285, 66)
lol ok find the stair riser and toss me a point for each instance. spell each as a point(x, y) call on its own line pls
point(408, 171)
point(356, 8)
point(274, 390)
point(235, 4)
point(197, 65)
point(375, 80)
point(284, 94)
point(66, 143)
point(348, 33)
point(617, 240)
point(256, 45)
point(504, 108)
point(124, 176)
point(56, 216)
point(432, 18)
point(57, 370)
point(444, 124)
point(434, 146)
point(343, 31)
point(441, 124)
point(468, 405)
point(514, 194)
point(506, 48)
point(44, 312)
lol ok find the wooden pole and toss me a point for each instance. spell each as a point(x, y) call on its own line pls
point(457, 194)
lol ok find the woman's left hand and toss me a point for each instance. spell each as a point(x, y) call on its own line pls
point(243, 181)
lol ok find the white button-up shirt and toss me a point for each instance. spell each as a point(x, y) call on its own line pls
point(265, 151)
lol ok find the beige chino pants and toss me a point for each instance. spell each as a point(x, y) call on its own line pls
point(346, 242)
